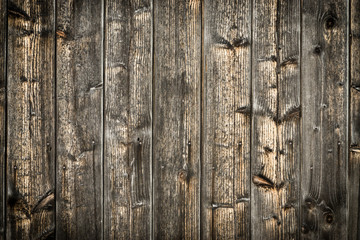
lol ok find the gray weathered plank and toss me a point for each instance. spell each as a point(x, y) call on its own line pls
point(276, 124)
point(31, 119)
point(226, 128)
point(127, 140)
point(176, 116)
point(354, 161)
point(79, 119)
point(3, 34)
point(324, 120)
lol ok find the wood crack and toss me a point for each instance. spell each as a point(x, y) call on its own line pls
point(46, 201)
point(17, 12)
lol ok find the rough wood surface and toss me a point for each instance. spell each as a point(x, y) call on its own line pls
point(79, 119)
point(354, 151)
point(128, 106)
point(2, 118)
point(176, 116)
point(31, 118)
point(276, 125)
point(179, 119)
point(227, 119)
point(324, 120)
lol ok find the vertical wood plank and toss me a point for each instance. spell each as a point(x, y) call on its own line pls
point(325, 113)
point(226, 128)
point(79, 119)
point(276, 123)
point(3, 89)
point(354, 161)
point(31, 118)
point(128, 106)
point(177, 86)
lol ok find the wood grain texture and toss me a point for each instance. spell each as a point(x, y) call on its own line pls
point(79, 119)
point(354, 161)
point(31, 118)
point(227, 119)
point(128, 106)
point(276, 123)
point(325, 112)
point(3, 35)
point(179, 119)
point(176, 116)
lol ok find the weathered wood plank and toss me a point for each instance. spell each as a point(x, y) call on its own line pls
point(276, 123)
point(128, 106)
point(79, 119)
point(3, 28)
point(31, 119)
point(176, 116)
point(324, 122)
point(354, 161)
point(226, 128)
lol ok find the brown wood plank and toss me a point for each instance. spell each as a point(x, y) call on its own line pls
point(176, 116)
point(3, 34)
point(354, 161)
point(31, 118)
point(276, 123)
point(324, 120)
point(128, 106)
point(227, 122)
point(79, 119)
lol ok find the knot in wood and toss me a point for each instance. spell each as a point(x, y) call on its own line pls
point(330, 22)
point(23, 79)
point(304, 229)
point(317, 49)
point(183, 175)
point(329, 218)
point(61, 33)
point(262, 181)
point(329, 19)
point(309, 203)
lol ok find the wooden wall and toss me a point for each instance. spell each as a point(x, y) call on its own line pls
point(180, 119)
